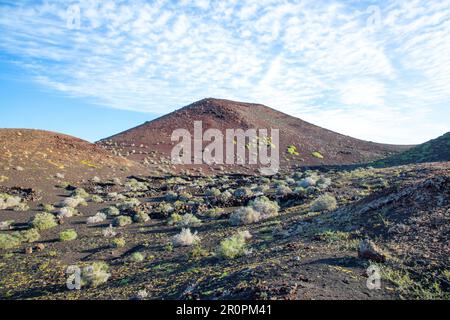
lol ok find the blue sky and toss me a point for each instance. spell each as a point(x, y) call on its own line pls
point(375, 70)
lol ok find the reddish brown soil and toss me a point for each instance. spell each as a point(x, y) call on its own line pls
point(32, 157)
point(151, 140)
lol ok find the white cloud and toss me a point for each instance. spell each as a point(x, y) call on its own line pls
point(375, 72)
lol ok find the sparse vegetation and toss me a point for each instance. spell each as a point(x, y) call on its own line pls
point(185, 238)
point(68, 235)
point(324, 202)
point(43, 221)
point(95, 274)
point(122, 221)
point(234, 246)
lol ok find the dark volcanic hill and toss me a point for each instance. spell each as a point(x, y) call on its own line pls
point(30, 157)
point(435, 150)
point(150, 142)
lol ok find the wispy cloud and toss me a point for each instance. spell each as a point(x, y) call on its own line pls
point(374, 70)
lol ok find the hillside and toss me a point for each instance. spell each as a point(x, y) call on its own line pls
point(150, 142)
point(435, 150)
point(29, 157)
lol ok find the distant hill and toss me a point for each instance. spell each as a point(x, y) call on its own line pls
point(31, 156)
point(435, 150)
point(150, 142)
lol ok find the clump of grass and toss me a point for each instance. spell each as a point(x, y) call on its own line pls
point(111, 211)
point(118, 242)
point(234, 246)
point(186, 220)
point(283, 190)
point(68, 235)
point(67, 212)
point(128, 204)
point(30, 235)
point(307, 182)
point(96, 199)
point(7, 201)
point(244, 215)
point(122, 221)
point(137, 257)
point(43, 221)
point(317, 154)
point(6, 225)
point(9, 240)
point(79, 192)
point(141, 216)
point(95, 274)
point(97, 218)
point(242, 193)
point(185, 238)
point(292, 150)
point(73, 202)
point(109, 232)
point(198, 252)
point(21, 207)
point(324, 202)
point(46, 207)
point(265, 207)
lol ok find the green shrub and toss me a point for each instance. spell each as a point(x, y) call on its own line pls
point(292, 150)
point(46, 207)
point(244, 215)
point(141, 216)
point(317, 155)
point(185, 238)
point(7, 201)
point(186, 220)
point(137, 257)
point(118, 242)
point(111, 211)
point(234, 246)
point(265, 207)
point(243, 193)
point(128, 204)
point(97, 199)
point(79, 192)
point(324, 202)
point(44, 221)
point(9, 240)
point(95, 274)
point(30, 235)
point(122, 221)
point(68, 235)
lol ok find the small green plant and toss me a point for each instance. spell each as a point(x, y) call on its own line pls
point(198, 253)
point(317, 155)
point(185, 238)
point(68, 235)
point(293, 150)
point(324, 202)
point(234, 246)
point(46, 207)
point(141, 216)
point(43, 221)
point(122, 221)
point(9, 241)
point(169, 247)
point(79, 192)
point(111, 211)
point(186, 220)
point(137, 257)
point(95, 274)
point(30, 235)
point(96, 199)
point(118, 242)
